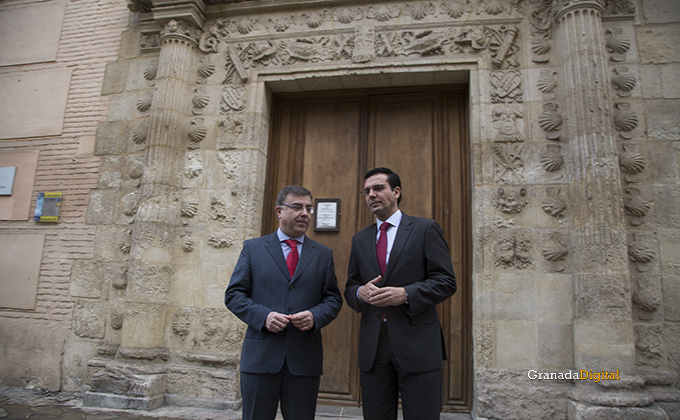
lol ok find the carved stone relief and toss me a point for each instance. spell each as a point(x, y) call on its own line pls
point(506, 86)
point(509, 163)
point(507, 122)
point(617, 45)
point(555, 252)
point(637, 207)
point(631, 162)
point(642, 252)
point(513, 250)
point(511, 200)
point(623, 81)
point(625, 120)
point(553, 204)
point(550, 121)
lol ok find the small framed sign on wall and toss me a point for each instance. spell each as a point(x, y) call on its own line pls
point(7, 179)
point(47, 207)
point(327, 214)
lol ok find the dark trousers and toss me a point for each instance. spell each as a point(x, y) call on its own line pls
point(421, 392)
point(261, 394)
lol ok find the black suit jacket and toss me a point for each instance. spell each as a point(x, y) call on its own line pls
point(261, 283)
point(420, 262)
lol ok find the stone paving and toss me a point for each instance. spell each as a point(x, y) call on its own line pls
point(19, 403)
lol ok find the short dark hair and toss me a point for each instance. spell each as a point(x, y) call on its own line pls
point(294, 190)
point(392, 178)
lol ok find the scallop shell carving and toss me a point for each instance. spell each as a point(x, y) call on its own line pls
point(200, 101)
point(140, 135)
point(244, 26)
point(456, 9)
point(384, 13)
point(314, 20)
point(616, 43)
point(550, 121)
point(206, 70)
point(554, 250)
point(144, 104)
point(189, 208)
point(494, 7)
point(552, 160)
point(347, 16)
point(188, 245)
point(151, 72)
point(419, 12)
point(553, 204)
point(635, 204)
point(197, 133)
point(631, 161)
point(547, 82)
point(623, 81)
point(640, 253)
point(540, 46)
point(624, 118)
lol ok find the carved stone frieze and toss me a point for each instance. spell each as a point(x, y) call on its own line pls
point(637, 207)
point(625, 119)
point(550, 121)
point(552, 159)
point(623, 81)
point(205, 70)
point(547, 83)
point(555, 251)
point(642, 252)
point(506, 86)
point(233, 99)
point(541, 19)
point(194, 165)
point(509, 163)
point(196, 133)
point(513, 250)
point(231, 132)
point(631, 162)
point(617, 45)
point(199, 101)
point(511, 200)
point(553, 204)
point(507, 121)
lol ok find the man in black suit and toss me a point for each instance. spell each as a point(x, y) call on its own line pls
point(399, 270)
point(284, 287)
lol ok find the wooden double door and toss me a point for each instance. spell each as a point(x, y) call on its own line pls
point(326, 142)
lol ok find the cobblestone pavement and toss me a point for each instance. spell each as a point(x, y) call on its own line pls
point(19, 403)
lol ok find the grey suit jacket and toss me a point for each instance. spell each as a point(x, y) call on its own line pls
point(420, 262)
point(260, 284)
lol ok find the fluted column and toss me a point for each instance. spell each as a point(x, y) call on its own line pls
point(136, 378)
point(603, 328)
point(150, 267)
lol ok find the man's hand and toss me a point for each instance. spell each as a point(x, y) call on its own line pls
point(304, 321)
point(387, 296)
point(367, 289)
point(382, 296)
point(276, 322)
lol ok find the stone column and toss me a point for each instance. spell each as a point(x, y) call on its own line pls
point(603, 329)
point(136, 378)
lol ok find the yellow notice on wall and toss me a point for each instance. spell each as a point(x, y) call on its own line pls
point(47, 207)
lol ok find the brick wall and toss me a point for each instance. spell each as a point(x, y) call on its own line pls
point(90, 38)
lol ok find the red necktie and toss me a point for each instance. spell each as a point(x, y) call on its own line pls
point(381, 247)
point(293, 256)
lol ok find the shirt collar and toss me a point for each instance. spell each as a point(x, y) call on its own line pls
point(282, 236)
point(393, 220)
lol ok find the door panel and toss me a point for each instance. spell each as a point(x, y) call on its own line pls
point(326, 142)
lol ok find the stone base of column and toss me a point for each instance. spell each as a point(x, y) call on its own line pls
point(583, 411)
point(126, 385)
point(123, 402)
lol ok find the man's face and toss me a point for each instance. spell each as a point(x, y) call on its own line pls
point(292, 222)
point(382, 203)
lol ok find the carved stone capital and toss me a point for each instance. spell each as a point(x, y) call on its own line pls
point(180, 31)
point(569, 6)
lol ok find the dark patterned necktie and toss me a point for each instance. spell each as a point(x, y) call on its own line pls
point(293, 256)
point(381, 247)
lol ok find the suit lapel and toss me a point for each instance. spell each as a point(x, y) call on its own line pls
point(399, 242)
point(308, 254)
point(273, 247)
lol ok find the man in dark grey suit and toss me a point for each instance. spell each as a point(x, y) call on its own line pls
point(399, 270)
point(284, 287)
